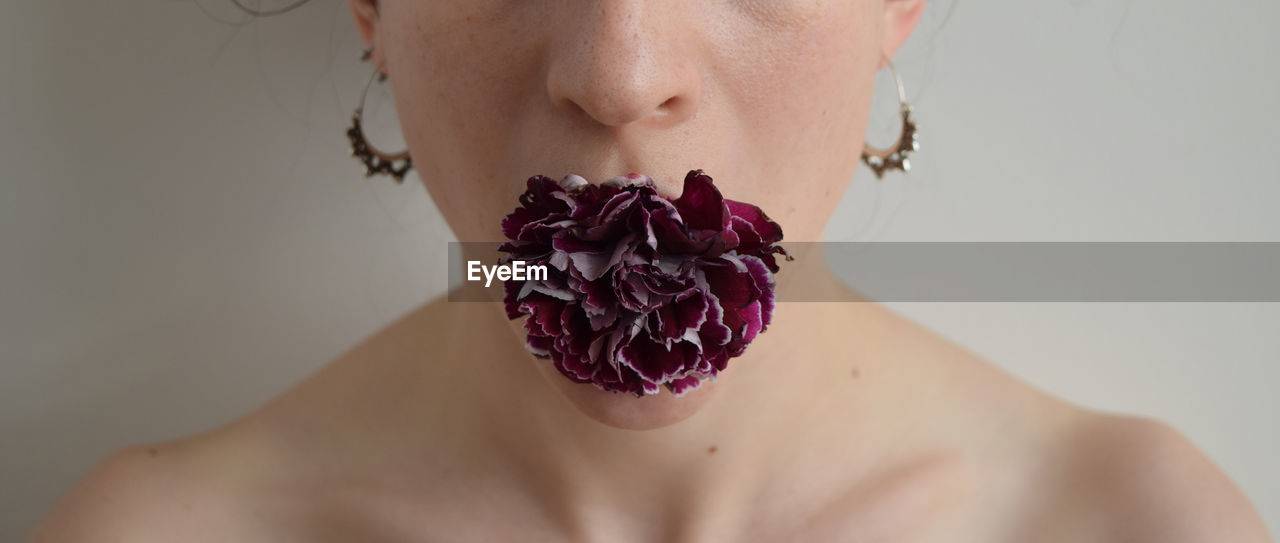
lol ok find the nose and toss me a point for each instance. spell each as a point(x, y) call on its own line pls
point(626, 62)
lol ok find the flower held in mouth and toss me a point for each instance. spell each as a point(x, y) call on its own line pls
point(642, 292)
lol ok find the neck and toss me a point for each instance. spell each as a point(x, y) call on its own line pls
point(806, 390)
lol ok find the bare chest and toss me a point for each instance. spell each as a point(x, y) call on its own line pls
point(935, 503)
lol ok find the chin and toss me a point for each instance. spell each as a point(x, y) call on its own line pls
point(625, 411)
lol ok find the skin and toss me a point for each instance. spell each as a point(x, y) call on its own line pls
point(843, 422)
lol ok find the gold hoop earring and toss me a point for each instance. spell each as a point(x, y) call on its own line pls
point(375, 161)
point(894, 157)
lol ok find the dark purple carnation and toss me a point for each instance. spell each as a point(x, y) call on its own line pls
point(642, 291)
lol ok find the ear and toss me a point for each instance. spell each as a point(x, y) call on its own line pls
point(900, 18)
point(365, 13)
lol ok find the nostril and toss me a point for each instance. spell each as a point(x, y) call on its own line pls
point(575, 109)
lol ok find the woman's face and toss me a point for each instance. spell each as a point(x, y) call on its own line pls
point(769, 97)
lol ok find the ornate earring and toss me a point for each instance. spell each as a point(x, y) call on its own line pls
point(894, 157)
point(375, 161)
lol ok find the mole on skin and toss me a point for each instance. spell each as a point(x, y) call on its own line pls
point(711, 450)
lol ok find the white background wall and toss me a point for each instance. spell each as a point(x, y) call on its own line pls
point(183, 234)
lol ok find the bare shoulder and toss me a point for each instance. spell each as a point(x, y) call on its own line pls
point(1055, 471)
point(1149, 482)
point(143, 493)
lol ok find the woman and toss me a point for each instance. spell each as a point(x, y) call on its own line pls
point(842, 422)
